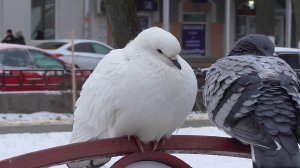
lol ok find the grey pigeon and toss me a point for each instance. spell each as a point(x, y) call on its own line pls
point(254, 97)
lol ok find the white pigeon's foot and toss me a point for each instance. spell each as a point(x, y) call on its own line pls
point(161, 142)
point(138, 142)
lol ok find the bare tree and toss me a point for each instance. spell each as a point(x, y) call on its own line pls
point(123, 19)
point(265, 17)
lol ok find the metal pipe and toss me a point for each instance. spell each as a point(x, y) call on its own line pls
point(166, 15)
point(227, 26)
point(86, 21)
point(74, 96)
point(288, 23)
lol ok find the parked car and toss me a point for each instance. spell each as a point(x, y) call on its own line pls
point(290, 55)
point(14, 56)
point(30, 68)
point(88, 52)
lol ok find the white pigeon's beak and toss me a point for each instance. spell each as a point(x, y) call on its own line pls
point(175, 62)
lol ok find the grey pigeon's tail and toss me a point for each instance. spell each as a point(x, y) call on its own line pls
point(287, 157)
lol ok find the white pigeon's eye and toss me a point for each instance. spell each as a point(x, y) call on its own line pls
point(159, 51)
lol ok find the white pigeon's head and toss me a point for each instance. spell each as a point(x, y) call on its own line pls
point(161, 44)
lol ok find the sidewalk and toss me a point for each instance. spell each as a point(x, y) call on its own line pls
point(64, 124)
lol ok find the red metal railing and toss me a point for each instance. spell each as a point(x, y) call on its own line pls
point(27, 80)
point(121, 146)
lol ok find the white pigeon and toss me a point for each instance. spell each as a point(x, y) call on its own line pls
point(145, 90)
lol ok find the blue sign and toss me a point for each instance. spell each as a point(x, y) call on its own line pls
point(148, 5)
point(199, 1)
point(193, 39)
point(144, 22)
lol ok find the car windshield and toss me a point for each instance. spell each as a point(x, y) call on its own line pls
point(91, 48)
point(14, 58)
point(51, 45)
point(100, 49)
point(44, 61)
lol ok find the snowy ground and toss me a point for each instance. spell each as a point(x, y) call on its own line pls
point(16, 144)
point(11, 119)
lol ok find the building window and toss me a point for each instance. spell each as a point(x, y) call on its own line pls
point(42, 19)
point(193, 17)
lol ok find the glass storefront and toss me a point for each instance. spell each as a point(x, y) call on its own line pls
point(42, 19)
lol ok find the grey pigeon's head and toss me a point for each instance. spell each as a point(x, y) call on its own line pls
point(160, 44)
point(253, 44)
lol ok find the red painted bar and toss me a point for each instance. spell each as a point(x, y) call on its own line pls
point(160, 157)
point(121, 146)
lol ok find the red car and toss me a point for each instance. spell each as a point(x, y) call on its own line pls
point(30, 68)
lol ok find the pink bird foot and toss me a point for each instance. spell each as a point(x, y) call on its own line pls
point(155, 144)
point(138, 142)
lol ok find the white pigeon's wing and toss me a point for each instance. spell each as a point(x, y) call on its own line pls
point(96, 107)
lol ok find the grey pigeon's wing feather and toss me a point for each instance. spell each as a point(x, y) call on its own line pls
point(240, 121)
point(220, 77)
point(292, 87)
point(233, 88)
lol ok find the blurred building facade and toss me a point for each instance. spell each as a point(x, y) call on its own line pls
point(206, 29)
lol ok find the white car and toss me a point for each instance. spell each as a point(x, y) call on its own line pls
point(87, 52)
point(289, 55)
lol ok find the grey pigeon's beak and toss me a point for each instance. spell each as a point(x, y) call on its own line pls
point(275, 55)
point(176, 63)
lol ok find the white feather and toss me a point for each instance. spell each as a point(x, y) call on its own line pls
point(136, 91)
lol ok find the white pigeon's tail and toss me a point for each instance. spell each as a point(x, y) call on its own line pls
point(286, 157)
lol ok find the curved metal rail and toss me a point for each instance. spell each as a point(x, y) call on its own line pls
point(121, 146)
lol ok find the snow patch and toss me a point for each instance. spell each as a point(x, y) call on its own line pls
point(10, 119)
point(32, 92)
point(44, 117)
